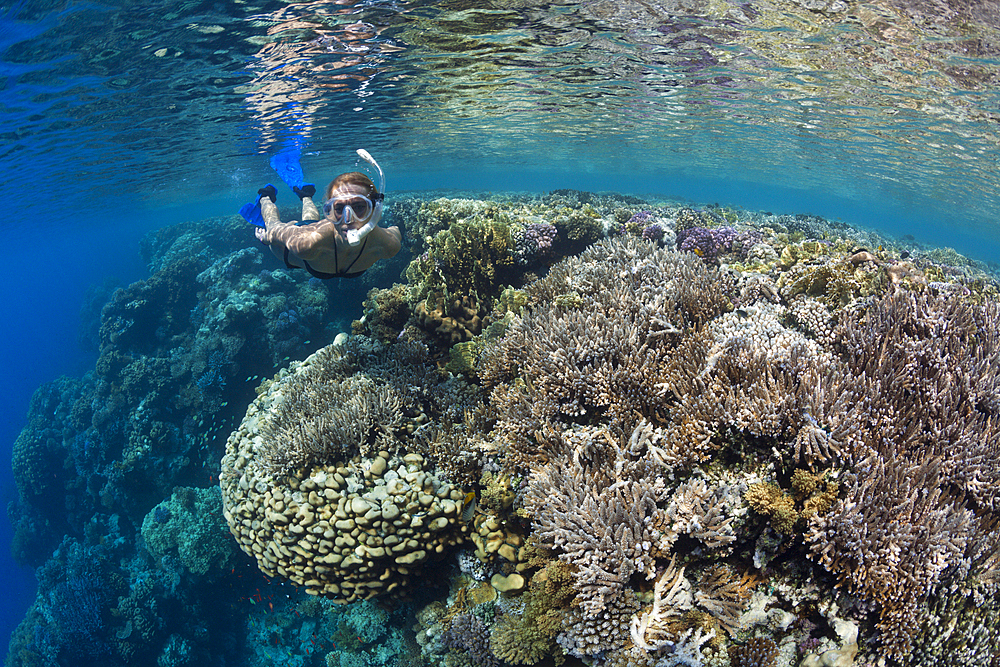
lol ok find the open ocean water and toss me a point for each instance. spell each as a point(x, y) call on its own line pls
point(120, 120)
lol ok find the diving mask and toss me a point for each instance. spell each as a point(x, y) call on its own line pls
point(346, 207)
point(354, 236)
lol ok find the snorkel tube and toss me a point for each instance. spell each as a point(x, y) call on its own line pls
point(355, 236)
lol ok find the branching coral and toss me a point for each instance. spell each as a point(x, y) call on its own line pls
point(929, 370)
point(904, 389)
point(723, 596)
point(891, 539)
point(697, 511)
point(653, 629)
point(607, 351)
point(592, 504)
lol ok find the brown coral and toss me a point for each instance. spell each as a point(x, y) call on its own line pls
point(317, 484)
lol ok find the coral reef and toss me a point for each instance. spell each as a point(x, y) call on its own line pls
point(189, 527)
point(868, 395)
point(549, 447)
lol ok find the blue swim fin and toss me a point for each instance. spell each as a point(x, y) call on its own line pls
point(251, 213)
point(286, 163)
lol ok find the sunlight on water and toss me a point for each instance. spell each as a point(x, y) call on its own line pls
point(824, 96)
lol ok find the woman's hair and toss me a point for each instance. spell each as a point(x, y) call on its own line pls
point(352, 178)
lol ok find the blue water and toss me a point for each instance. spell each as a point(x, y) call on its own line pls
point(119, 118)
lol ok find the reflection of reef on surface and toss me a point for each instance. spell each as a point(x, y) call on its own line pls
point(590, 429)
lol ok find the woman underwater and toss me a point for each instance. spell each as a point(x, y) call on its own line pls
point(346, 241)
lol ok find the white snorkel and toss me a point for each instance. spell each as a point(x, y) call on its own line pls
point(354, 236)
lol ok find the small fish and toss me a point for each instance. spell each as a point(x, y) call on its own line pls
point(769, 293)
point(742, 313)
point(469, 507)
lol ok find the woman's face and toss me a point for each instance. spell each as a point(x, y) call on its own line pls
point(354, 197)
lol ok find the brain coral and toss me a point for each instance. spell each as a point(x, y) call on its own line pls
point(317, 482)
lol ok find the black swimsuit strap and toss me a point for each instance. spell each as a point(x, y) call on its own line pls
point(346, 273)
point(360, 252)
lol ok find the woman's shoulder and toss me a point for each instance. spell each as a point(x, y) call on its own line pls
point(389, 240)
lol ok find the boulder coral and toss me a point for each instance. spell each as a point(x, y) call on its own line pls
point(189, 526)
point(324, 483)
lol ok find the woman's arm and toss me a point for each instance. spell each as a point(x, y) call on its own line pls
point(304, 241)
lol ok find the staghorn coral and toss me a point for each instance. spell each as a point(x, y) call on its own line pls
point(734, 394)
point(592, 506)
point(891, 539)
point(652, 630)
point(722, 596)
point(746, 377)
point(958, 630)
point(607, 350)
point(697, 511)
point(929, 370)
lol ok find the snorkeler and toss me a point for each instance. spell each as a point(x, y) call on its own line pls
point(342, 244)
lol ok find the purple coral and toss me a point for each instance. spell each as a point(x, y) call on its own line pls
point(533, 242)
point(706, 243)
point(653, 232)
point(468, 633)
point(540, 233)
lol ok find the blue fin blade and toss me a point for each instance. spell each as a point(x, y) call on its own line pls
point(286, 164)
point(251, 213)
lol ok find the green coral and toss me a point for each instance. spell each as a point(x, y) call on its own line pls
point(687, 218)
point(768, 499)
point(465, 355)
point(499, 491)
point(811, 494)
point(578, 228)
point(467, 259)
point(528, 637)
point(834, 284)
point(190, 527)
point(386, 312)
